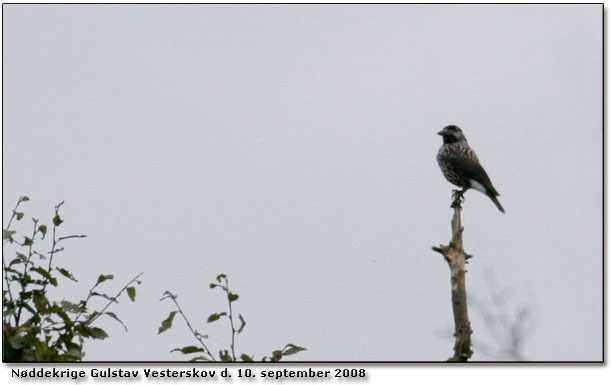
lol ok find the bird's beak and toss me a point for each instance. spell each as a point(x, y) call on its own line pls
point(442, 132)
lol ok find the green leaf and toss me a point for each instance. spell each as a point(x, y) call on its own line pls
point(242, 324)
point(11, 270)
point(21, 258)
point(167, 295)
point(167, 323)
point(215, 316)
point(220, 276)
point(8, 235)
point(66, 274)
point(188, 349)
point(75, 354)
point(18, 215)
point(43, 230)
point(9, 312)
point(27, 241)
point(103, 277)
point(98, 333)
point(113, 315)
point(45, 274)
point(198, 334)
point(57, 220)
point(70, 307)
point(14, 262)
point(90, 316)
point(276, 356)
point(224, 356)
point(41, 256)
point(105, 296)
point(90, 332)
point(232, 297)
point(17, 341)
point(132, 293)
point(25, 295)
point(292, 349)
point(246, 358)
point(213, 285)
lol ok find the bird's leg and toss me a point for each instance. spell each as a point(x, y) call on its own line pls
point(458, 198)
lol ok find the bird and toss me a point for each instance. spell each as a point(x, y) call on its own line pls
point(460, 165)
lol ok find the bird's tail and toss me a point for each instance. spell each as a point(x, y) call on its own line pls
point(494, 199)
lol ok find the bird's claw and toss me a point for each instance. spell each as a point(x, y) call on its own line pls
point(458, 198)
point(458, 194)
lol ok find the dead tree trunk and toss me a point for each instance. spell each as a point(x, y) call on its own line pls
point(456, 258)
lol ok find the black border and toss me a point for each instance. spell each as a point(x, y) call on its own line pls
point(361, 363)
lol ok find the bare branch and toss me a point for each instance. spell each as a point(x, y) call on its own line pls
point(456, 258)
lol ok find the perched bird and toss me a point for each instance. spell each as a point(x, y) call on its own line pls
point(461, 167)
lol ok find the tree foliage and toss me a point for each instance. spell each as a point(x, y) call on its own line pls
point(201, 352)
point(36, 327)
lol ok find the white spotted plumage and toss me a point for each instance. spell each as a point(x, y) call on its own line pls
point(460, 165)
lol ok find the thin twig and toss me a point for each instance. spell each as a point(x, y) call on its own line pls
point(84, 306)
point(5, 267)
point(21, 199)
point(25, 270)
point(231, 318)
point(55, 240)
point(71, 236)
point(194, 332)
point(110, 301)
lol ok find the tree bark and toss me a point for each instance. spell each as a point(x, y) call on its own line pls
point(456, 258)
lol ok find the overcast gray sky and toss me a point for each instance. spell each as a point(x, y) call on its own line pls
point(293, 147)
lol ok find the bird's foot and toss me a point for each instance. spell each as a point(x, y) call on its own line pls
point(458, 198)
point(458, 194)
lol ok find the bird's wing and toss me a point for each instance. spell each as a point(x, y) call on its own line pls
point(471, 169)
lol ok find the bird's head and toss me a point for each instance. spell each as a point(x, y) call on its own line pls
point(452, 134)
